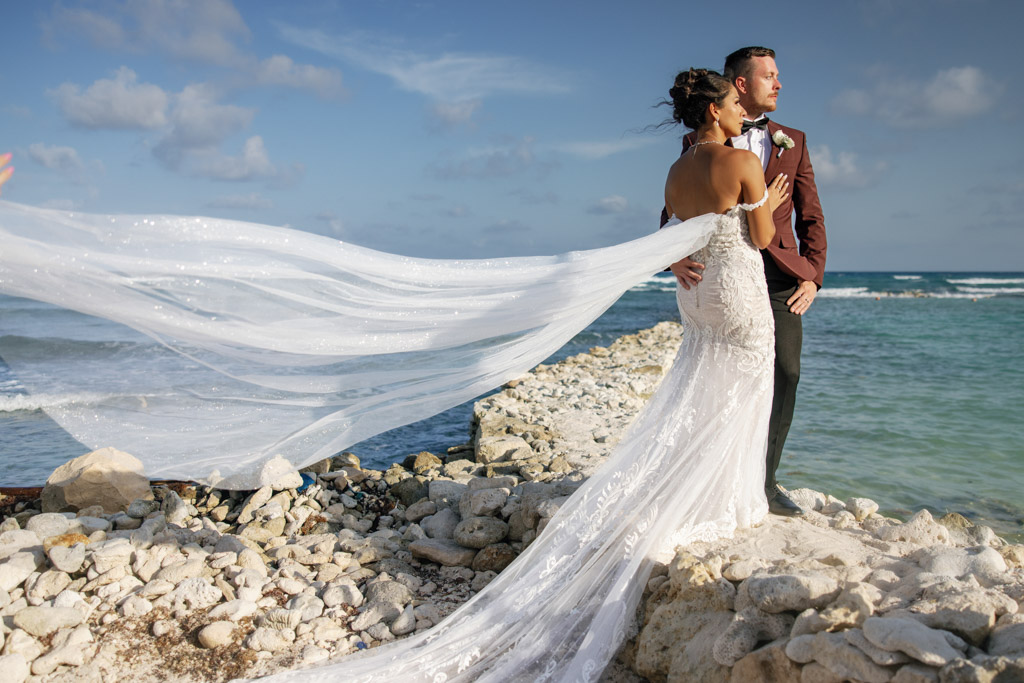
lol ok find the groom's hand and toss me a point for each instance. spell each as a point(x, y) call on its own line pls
point(803, 297)
point(687, 272)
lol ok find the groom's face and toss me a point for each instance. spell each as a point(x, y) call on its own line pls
point(759, 88)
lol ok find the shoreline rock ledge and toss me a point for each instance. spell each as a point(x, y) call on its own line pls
point(189, 583)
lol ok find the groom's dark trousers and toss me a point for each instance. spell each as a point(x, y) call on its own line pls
point(788, 259)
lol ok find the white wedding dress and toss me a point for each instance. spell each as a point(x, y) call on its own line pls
point(691, 467)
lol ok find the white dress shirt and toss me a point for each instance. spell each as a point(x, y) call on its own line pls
point(756, 140)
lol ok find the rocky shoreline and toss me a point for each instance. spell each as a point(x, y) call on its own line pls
point(105, 577)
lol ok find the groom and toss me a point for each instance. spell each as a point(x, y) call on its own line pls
point(794, 273)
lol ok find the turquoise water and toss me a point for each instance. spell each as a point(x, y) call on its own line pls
point(911, 394)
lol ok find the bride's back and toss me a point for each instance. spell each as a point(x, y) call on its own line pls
point(705, 179)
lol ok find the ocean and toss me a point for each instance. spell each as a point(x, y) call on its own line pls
point(910, 394)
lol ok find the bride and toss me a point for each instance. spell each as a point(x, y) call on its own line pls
point(689, 468)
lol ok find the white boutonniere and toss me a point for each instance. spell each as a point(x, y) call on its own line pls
point(783, 142)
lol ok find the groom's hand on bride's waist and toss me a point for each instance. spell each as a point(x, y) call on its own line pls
point(687, 272)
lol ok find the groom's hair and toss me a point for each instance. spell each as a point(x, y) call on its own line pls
point(738, 63)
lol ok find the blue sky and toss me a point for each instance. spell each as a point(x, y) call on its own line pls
point(471, 129)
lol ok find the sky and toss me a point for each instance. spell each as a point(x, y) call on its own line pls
point(482, 129)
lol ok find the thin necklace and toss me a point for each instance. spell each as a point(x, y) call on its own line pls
point(706, 142)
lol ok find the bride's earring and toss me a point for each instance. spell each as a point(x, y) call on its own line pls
point(716, 122)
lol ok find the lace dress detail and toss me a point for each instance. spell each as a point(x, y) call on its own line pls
point(691, 467)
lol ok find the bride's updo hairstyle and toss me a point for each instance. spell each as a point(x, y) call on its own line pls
point(693, 91)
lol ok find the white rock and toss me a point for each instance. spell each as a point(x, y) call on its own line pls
point(832, 651)
point(921, 529)
point(174, 508)
point(979, 561)
point(280, 618)
point(67, 558)
point(855, 637)
point(749, 627)
point(311, 654)
point(141, 507)
point(162, 628)
point(309, 606)
point(18, 567)
point(14, 667)
point(216, 634)
point(445, 493)
point(18, 540)
point(374, 613)
point(405, 623)
point(196, 593)
point(291, 586)
point(234, 610)
point(48, 524)
point(344, 594)
point(257, 500)
point(156, 588)
point(926, 645)
point(179, 571)
point(443, 551)
point(107, 477)
point(73, 599)
point(116, 552)
point(502, 448)
point(135, 606)
point(250, 559)
point(483, 503)
point(21, 643)
point(1007, 641)
point(68, 655)
point(46, 585)
point(796, 591)
point(88, 525)
point(441, 524)
point(270, 639)
point(743, 569)
point(42, 621)
point(380, 632)
point(480, 532)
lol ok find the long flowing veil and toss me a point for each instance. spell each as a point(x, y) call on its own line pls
point(250, 343)
point(258, 342)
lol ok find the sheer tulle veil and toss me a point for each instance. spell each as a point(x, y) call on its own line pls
point(218, 351)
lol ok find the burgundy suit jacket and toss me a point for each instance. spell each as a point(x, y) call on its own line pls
point(802, 256)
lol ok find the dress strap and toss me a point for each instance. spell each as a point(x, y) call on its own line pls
point(751, 207)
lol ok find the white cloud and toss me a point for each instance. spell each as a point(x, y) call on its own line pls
point(206, 31)
point(599, 149)
point(252, 164)
point(283, 71)
point(841, 169)
point(454, 113)
point(117, 103)
point(56, 158)
point(252, 201)
point(195, 30)
point(66, 161)
point(609, 205)
point(455, 82)
point(98, 29)
point(198, 119)
point(491, 162)
point(951, 96)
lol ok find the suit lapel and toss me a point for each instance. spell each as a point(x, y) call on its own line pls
point(771, 170)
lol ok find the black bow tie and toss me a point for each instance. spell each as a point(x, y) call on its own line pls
point(761, 123)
